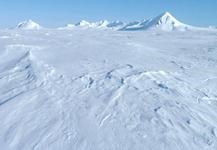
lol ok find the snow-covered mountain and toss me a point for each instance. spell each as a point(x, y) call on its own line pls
point(165, 22)
point(83, 23)
point(28, 25)
point(103, 24)
point(86, 24)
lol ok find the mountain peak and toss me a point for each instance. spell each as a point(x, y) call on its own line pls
point(166, 14)
point(83, 23)
point(99, 24)
point(28, 25)
point(165, 21)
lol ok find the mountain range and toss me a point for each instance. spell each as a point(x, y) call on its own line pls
point(165, 21)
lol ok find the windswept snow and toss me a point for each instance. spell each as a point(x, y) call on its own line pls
point(90, 89)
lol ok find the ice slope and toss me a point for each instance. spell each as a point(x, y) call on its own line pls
point(28, 25)
point(165, 22)
point(108, 90)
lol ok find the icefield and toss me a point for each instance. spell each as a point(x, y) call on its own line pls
point(150, 85)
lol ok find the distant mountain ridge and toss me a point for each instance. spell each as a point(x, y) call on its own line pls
point(164, 22)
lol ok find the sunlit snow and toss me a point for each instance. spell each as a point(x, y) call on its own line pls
point(108, 89)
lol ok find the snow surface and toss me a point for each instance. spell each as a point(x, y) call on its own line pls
point(108, 90)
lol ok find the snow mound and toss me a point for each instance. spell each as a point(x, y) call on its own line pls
point(165, 21)
point(83, 23)
point(70, 25)
point(99, 24)
point(28, 25)
point(103, 24)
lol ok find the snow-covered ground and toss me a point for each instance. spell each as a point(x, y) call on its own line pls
point(102, 89)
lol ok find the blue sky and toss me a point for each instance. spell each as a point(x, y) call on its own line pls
point(54, 13)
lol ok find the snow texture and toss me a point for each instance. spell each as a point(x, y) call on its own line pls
point(91, 89)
